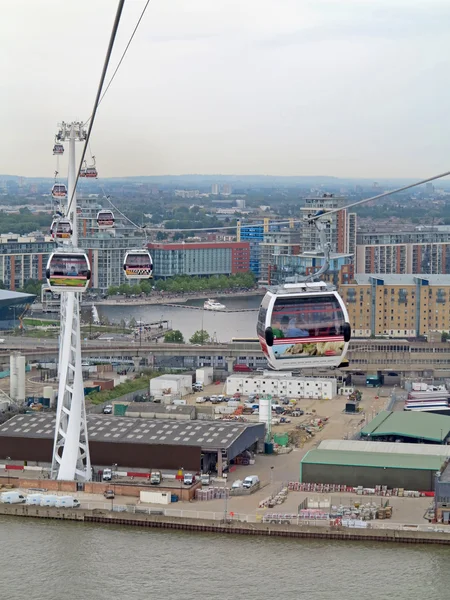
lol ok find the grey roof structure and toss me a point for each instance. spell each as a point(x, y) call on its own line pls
point(209, 435)
point(401, 279)
point(10, 298)
point(148, 408)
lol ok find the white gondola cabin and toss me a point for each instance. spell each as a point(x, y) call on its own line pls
point(58, 149)
point(59, 190)
point(89, 172)
point(138, 264)
point(105, 219)
point(303, 325)
point(61, 229)
point(68, 271)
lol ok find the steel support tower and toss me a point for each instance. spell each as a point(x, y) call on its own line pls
point(71, 460)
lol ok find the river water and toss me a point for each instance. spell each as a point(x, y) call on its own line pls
point(49, 560)
point(221, 326)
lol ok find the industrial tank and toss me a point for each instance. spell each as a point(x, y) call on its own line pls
point(265, 410)
point(17, 377)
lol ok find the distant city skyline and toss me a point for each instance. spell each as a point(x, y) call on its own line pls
point(342, 88)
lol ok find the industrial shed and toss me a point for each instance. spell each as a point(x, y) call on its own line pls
point(369, 469)
point(153, 410)
point(416, 427)
point(138, 443)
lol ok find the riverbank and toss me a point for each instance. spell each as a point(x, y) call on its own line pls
point(173, 298)
point(305, 531)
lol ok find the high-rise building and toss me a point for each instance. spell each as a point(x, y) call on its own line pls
point(225, 189)
point(199, 259)
point(23, 258)
point(341, 230)
point(274, 245)
point(215, 189)
point(254, 235)
point(106, 248)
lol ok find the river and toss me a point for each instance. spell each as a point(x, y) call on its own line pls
point(222, 326)
point(45, 560)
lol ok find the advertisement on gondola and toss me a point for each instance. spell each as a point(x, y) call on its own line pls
point(311, 327)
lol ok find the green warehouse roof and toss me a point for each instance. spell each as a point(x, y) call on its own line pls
point(376, 459)
point(419, 425)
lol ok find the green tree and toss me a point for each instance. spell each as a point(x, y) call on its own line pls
point(136, 289)
point(146, 287)
point(124, 288)
point(174, 337)
point(112, 290)
point(200, 337)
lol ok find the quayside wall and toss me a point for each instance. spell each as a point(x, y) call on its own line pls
point(211, 526)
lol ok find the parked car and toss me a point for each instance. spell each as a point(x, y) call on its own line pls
point(297, 413)
point(200, 399)
point(108, 409)
point(109, 494)
point(250, 481)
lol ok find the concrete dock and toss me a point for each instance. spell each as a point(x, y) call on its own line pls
point(233, 527)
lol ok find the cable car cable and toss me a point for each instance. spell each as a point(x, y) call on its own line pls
point(99, 91)
point(122, 57)
point(311, 219)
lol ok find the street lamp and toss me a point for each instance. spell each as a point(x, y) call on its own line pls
point(114, 486)
point(271, 476)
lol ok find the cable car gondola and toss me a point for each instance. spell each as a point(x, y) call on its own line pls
point(68, 270)
point(61, 229)
point(58, 149)
point(105, 219)
point(138, 264)
point(90, 171)
point(59, 190)
point(303, 325)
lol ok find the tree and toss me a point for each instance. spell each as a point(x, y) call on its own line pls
point(200, 337)
point(136, 289)
point(124, 288)
point(112, 290)
point(146, 287)
point(174, 337)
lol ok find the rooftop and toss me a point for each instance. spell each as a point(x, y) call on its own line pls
point(394, 279)
point(373, 459)
point(8, 297)
point(420, 425)
point(385, 447)
point(155, 407)
point(209, 435)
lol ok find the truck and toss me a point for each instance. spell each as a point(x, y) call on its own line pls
point(250, 482)
point(49, 500)
point(155, 477)
point(34, 499)
point(107, 474)
point(188, 479)
point(67, 502)
point(12, 498)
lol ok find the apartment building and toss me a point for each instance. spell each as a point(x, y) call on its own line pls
point(341, 229)
point(416, 258)
point(397, 306)
point(23, 258)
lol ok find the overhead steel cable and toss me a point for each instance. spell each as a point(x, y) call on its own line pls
point(123, 56)
point(99, 91)
point(289, 221)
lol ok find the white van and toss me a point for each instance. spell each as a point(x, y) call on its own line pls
point(67, 502)
point(34, 499)
point(250, 481)
point(12, 498)
point(49, 500)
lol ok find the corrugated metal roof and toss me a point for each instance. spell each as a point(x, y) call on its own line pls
point(107, 428)
point(385, 447)
point(424, 426)
point(375, 459)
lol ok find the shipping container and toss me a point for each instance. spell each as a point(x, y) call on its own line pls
point(155, 497)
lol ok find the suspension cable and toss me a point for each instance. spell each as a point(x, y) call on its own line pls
point(122, 57)
point(99, 91)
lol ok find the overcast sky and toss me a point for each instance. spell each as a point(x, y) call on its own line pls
point(351, 88)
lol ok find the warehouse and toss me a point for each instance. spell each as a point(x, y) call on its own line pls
point(369, 469)
point(137, 443)
point(415, 427)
